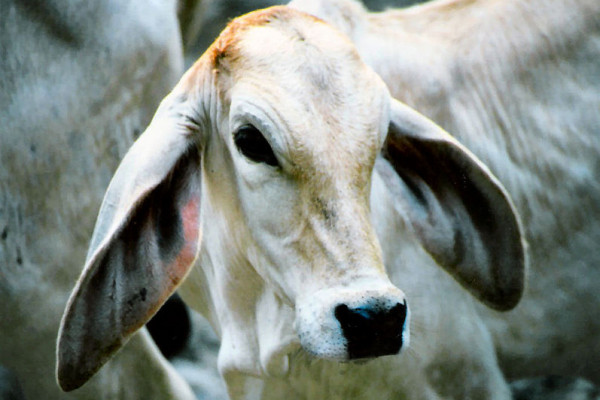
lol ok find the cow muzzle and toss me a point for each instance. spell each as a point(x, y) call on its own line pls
point(352, 324)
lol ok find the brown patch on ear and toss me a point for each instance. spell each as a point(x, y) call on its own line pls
point(190, 217)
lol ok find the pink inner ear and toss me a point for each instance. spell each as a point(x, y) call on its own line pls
point(190, 215)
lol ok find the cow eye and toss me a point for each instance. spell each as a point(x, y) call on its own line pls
point(252, 144)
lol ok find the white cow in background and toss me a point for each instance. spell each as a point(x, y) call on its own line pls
point(78, 81)
point(518, 83)
point(262, 168)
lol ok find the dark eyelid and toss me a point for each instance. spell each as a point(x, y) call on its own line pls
point(253, 145)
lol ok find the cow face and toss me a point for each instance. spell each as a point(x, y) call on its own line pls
point(301, 123)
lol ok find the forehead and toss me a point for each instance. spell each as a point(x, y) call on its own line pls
point(285, 48)
point(307, 73)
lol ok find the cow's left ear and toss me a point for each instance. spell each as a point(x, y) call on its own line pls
point(146, 239)
point(459, 210)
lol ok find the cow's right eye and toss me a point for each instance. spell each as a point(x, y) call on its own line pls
point(253, 145)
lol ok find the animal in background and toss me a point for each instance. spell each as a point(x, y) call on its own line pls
point(80, 80)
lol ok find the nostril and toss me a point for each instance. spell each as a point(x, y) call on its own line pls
point(373, 330)
point(397, 314)
point(360, 316)
point(351, 318)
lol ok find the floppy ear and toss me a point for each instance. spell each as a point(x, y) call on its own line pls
point(458, 209)
point(146, 239)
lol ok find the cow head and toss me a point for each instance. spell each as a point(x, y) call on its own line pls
point(258, 165)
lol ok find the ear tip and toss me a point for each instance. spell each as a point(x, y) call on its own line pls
point(69, 376)
point(73, 369)
point(70, 369)
point(74, 365)
point(68, 385)
point(508, 296)
point(507, 301)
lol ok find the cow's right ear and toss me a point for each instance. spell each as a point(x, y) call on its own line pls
point(146, 239)
point(458, 209)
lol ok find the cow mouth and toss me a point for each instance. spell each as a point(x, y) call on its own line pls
point(353, 325)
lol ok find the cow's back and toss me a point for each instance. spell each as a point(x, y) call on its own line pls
point(519, 85)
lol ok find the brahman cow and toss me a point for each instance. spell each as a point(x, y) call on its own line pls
point(79, 81)
point(317, 210)
point(518, 83)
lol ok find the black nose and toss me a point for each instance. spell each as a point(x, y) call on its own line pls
point(372, 331)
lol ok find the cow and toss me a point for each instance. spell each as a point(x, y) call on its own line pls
point(306, 213)
point(80, 80)
point(517, 82)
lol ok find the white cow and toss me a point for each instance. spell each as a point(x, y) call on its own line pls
point(78, 79)
point(262, 168)
point(518, 83)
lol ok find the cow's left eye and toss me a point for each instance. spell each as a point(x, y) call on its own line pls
point(252, 144)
